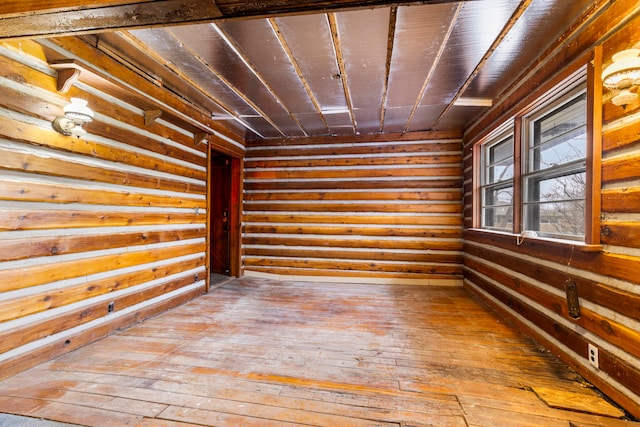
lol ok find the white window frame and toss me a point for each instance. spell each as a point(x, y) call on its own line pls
point(489, 185)
point(530, 175)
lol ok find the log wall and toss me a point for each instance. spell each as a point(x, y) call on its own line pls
point(527, 282)
point(362, 210)
point(113, 219)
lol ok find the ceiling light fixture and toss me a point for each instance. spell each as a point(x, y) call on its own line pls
point(76, 114)
point(473, 102)
point(622, 76)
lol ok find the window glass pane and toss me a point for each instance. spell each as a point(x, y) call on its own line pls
point(501, 171)
point(562, 219)
point(568, 187)
point(556, 205)
point(500, 161)
point(499, 196)
point(498, 208)
point(497, 183)
point(554, 180)
point(560, 136)
point(501, 151)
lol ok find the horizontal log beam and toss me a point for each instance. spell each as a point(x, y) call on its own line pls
point(21, 278)
point(330, 149)
point(448, 208)
point(28, 191)
point(36, 303)
point(351, 219)
point(383, 255)
point(356, 231)
point(24, 19)
point(453, 195)
point(430, 159)
point(609, 363)
point(352, 265)
point(85, 314)
point(15, 249)
point(378, 275)
point(439, 245)
point(354, 174)
point(24, 162)
point(429, 183)
point(26, 219)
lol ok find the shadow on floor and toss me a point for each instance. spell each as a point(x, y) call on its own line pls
point(218, 280)
point(8, 420)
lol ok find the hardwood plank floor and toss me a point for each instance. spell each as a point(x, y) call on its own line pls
point(256, 352)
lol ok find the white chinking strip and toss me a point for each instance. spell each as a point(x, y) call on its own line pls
point(358, 167)
point(358, 179)
point(357, 144)
point(572, 271)
point(351, 156)
point(31, 262)
point(346, 279)
point(18, 176)
point(91, 161)
point(34, 345)
point(342, 224)
point(81, 280)
point(355, 190)
point(578, 358)
point(332, 249)
point(124, 84)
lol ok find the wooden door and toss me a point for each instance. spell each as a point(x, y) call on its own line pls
point(220, 207)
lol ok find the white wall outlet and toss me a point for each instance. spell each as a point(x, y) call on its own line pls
point(593, 356)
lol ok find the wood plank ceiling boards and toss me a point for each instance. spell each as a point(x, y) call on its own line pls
point(297, 69)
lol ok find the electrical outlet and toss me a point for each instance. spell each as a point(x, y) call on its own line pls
point(593, 356)
point(111, 307)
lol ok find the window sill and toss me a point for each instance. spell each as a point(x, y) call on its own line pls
point(536, 241)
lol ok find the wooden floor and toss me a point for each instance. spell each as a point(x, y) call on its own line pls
point(263, 353)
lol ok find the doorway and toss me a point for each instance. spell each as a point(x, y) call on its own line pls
point(224, 217)
point(220, 207)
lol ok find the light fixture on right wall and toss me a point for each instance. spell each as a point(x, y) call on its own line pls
point(622, 76)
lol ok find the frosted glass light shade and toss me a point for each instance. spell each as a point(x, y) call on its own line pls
point(624, 72)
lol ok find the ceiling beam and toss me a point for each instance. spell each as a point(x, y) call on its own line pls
point(432, 70)
point(517, 14)
point(337, 49)
point(287, 49)
point(393, 21)
point(40, 18)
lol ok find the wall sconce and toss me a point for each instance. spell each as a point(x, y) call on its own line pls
point(622, 76)
point(75, 115)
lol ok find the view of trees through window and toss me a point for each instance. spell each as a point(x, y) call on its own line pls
point(498, 185)
point(555, 179)
point(553, 170)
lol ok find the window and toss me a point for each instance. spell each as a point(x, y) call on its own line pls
point(554, 172)
point(537, 179)
point(497, 183)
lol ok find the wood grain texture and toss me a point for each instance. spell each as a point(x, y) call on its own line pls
point(108, 75)
point(28, 190)
point(526, 282)
point(41, 163)
point(264, 353)
point(332, 147)
point(301, 198)
point(15, 249)
point(116, 217)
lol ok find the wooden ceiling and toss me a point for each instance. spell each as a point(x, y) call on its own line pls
point(290, 68)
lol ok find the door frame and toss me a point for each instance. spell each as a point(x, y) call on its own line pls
point(235, 213)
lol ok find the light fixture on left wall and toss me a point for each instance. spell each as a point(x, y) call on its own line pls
point(76, 114)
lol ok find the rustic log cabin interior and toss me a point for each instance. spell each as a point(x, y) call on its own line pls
point(412, 208)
